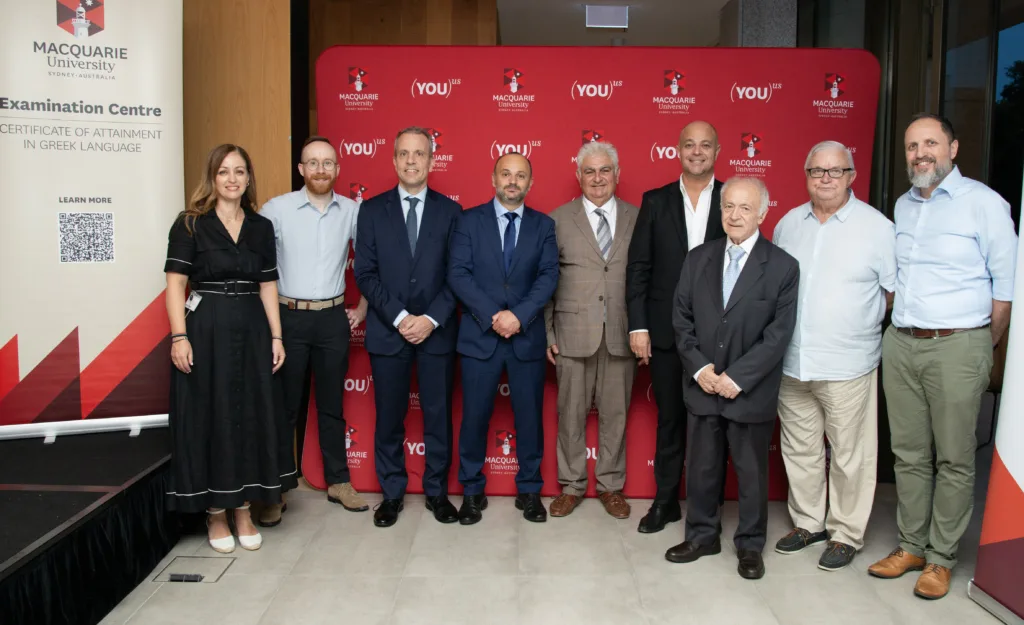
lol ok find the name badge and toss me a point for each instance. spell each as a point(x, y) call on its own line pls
point(193, 301)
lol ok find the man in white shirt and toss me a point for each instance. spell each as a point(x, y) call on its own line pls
point(847, 255)
point(586, 331)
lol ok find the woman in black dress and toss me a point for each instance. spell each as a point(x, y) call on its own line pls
point(225, 345)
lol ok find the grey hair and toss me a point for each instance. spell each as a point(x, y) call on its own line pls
point(416, 130)
point(829, 145)
point(757, 182)
point(591, 148)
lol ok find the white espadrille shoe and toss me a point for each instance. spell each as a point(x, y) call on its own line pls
point(220, 545)
point(253, 541)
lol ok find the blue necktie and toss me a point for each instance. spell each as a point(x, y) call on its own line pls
point(410, 222)
point(732, 272)
point(510, 240)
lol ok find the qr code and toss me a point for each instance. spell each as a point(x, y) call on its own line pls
point(86, 237)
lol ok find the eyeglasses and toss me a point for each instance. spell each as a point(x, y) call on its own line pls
point(315, 165)
point(835, 172)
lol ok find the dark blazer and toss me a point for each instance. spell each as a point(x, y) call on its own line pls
point(656, 255)
point(391, 278)
point(746, 338)
point(476, 274)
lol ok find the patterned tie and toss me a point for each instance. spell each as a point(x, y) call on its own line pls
point(604, 233)
point(510, 240)
point(732, 272)
point(411, 222)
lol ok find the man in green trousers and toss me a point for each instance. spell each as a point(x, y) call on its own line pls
point(955, 259)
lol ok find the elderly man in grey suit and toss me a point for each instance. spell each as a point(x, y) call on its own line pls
point(734, 315)
point(588, 341)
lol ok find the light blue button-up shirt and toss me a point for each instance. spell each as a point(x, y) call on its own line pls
point(846, 265)
point(500, 211)
point(312, 247)
point(955, 252)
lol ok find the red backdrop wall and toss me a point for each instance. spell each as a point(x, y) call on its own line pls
point(769, 106)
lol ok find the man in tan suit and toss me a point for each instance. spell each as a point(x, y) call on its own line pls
point(588, 339)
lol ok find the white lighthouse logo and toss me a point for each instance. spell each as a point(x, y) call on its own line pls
point(80, 18)
point(514, 85)
point(505, 441)
point(834, 91)
point(834, 84)
point(751, 150)
point(674, 88)
point(81, 23)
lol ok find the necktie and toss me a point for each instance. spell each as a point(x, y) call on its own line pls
point(604, 234)
point(509, 245)
point(732, 272)
point(411, 222)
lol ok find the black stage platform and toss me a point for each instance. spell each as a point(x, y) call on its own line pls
point(82, 522)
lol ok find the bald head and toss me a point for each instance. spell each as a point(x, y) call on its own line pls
point(698, 149)
point(512, 179)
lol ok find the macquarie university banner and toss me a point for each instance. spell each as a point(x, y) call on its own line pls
point(769, 106)
point(91, 146)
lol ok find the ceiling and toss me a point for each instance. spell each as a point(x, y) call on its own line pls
point(651, 23)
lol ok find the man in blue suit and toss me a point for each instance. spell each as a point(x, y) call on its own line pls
point(503, 267)
point(401, 260)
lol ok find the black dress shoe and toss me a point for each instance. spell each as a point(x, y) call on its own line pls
point(751, 565)
point(689, 551)
point(472, 509)
point(386, 513)
point(532, 507)
point(444, 511)
point(660, 514)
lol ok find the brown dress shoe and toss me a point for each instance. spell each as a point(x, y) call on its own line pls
point(896, 564)
point(347, 496)
point(615, 504)
point(564, 504)
point(934, 582)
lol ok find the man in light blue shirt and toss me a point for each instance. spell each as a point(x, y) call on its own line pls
point(955, 255)
point(847, 254)
point(313, 227)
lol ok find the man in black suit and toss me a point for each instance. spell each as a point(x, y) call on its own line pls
point(400, 267)
point(673, 219)
point(734, 315)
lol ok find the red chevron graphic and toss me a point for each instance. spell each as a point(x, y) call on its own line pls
point(124, 354)
point(1004, 507)
point(50, 378)
point(8, 366)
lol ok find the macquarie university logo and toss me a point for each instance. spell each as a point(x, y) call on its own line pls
point(442, 157)
point(751, 161)
point(351, 437)
point(356, 191)
point(513, 98)
point(501, 457)
point(671, 100)
point(833, 104)
point(358, 96)
point(353, 450)
point(81, 18)
point(505, 442)
point(589, 135)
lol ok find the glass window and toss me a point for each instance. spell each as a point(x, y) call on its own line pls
point(1007, 162)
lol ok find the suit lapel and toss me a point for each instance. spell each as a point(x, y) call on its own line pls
point(675, 210)
point(491, 224)
point(623, 221)
point(527, 233)
point(713, 274)
point(396, 218)
point(582, 221)
point(427, 226)
point(751, 273)
point(714, 229)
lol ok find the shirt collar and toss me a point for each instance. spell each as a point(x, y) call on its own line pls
point(747, 245)
point(335, 200)
point(842, 214)
point(500, 210)
point(682, 187)
point(422, 195)
point(949, 185)
point(609, 206)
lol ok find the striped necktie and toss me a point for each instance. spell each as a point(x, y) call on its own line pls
point(604, 233)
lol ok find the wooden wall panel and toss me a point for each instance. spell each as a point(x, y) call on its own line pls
point(396, 22)
point(238, 87)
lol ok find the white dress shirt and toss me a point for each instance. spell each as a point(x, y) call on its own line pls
point(610, 209)
point(747, 246)
point(696, 216)
point(404, 196)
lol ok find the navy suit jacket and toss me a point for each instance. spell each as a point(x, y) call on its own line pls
point(476, 274)
point(392, 278)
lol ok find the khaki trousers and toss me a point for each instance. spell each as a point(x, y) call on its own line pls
point(847, 413)
point(933, 391)
point(606, 380)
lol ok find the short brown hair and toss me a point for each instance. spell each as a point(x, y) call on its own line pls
point(416, 130)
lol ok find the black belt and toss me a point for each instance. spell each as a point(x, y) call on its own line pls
point(228, 287)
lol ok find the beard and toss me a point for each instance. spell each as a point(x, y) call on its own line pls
point(320, 184)
point(930, 178)
point(513, 194)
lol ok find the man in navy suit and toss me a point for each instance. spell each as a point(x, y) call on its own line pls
point(503, 267)
point(401, 260)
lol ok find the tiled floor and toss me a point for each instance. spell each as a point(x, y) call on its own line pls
point(324, 565)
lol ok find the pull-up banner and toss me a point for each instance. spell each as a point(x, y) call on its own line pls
point(90, 180)
point(768, 105)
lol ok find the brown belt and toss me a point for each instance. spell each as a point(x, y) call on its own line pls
point(314, 304)
point(919, 333)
